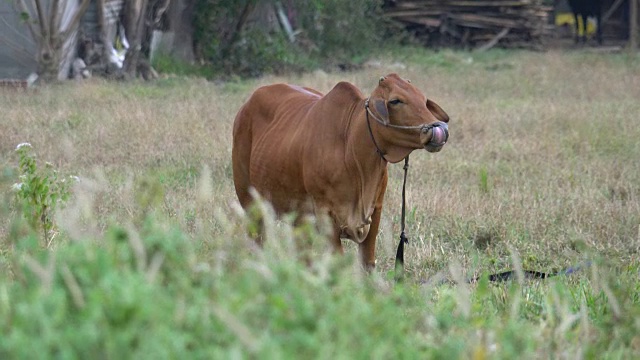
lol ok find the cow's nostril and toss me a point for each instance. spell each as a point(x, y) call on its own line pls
point(442, 125)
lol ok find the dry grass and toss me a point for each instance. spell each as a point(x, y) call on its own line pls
point(543, 156)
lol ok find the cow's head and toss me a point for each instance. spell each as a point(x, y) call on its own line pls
point(410, 120)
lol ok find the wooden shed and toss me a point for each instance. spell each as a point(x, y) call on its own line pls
point(503, 23)
point(474, 23)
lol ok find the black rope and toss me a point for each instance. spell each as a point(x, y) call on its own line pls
point(399, 267)
point(366, 104)
point(511, 274)
point(497, 277)
point(531, 274)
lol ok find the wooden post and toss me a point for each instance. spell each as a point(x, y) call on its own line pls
point(633, 25)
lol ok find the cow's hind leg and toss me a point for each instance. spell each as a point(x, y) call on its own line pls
point(255, 225)
point(306, 233)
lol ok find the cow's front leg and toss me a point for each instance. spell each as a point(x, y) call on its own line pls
point(336, 243)
point(368, 246)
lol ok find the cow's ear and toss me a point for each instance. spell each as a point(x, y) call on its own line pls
point(380, 107)
point(437, 111)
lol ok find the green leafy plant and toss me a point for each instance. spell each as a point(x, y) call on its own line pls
point(483, 176)
point(39, 192)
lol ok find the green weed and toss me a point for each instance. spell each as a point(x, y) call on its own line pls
point(39, 192)
point(483, 178)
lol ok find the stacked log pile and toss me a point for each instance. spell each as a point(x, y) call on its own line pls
point(474, 23)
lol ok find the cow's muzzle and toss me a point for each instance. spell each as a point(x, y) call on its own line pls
point(435, 136)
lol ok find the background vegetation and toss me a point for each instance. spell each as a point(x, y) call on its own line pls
point(148, 258)
point(328, 34)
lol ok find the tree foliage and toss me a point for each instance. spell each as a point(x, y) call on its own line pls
point(240, 37)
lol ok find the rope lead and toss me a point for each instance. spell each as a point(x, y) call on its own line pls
point(399, 267)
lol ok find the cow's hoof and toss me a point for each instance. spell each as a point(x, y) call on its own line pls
point(370, 267)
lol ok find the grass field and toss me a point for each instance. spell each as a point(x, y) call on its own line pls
point(541, 172)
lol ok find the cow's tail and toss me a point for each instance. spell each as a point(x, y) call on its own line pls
point(241, 157)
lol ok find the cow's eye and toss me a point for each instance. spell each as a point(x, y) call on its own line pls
point(395, 101)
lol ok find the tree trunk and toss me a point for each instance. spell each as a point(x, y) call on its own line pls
point(181, 13)
point(49, 61)
point(134, 22)
point(142, 18)
point(51, 34)
point(230, 39)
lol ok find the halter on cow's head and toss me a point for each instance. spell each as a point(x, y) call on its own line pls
point(411, 120)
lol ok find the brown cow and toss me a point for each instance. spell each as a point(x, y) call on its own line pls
point(310, 153)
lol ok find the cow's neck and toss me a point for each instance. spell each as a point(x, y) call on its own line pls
point(364, 167)
point(359, 145)
point(377, 140)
